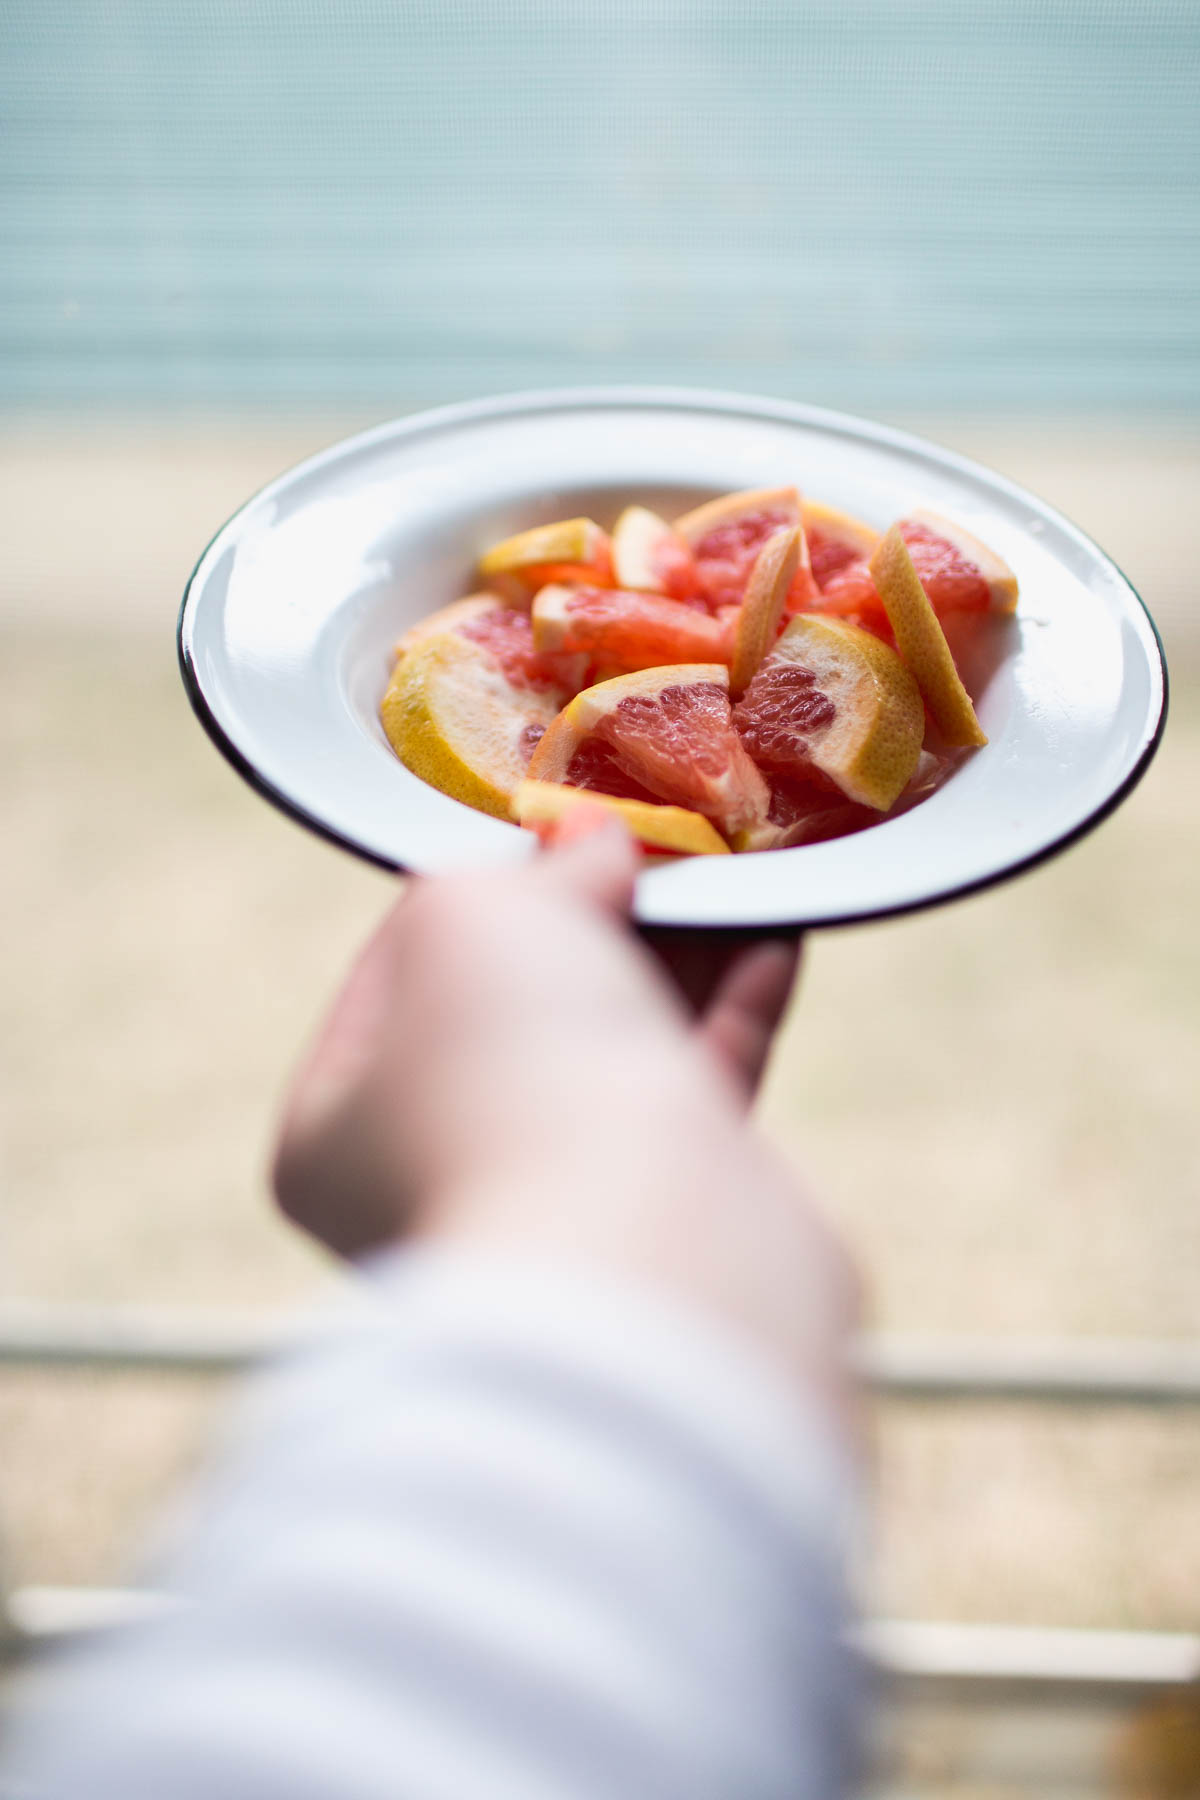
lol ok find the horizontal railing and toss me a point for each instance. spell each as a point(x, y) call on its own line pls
point(906, 1650)
point(1067, 1370)
point(1031, 1710)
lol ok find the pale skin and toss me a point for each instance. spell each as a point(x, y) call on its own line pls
point(510, 1068)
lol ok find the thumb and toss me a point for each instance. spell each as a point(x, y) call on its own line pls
point(592, 857)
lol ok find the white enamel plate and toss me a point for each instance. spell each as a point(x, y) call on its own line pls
point(288, 621)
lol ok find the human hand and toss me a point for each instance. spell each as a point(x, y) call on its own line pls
point(508, 1066)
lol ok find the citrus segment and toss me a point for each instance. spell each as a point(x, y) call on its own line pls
point(834, 700)
point(726, 535)
point(647, 555)
point(669, 730)
point(625, 630)
point(594, 765)
point(456, 719)
point(957, 571)
point(762, 605)
point(803, 813)
point(835, 539)
point(447, 618)
point(568, 549)
point(671, 828)
point(922, 642)
point(849, 592)
point(509, 636)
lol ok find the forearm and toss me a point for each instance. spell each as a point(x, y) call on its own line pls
point(507, 1531)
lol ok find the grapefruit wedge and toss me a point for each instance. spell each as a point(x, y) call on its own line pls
point(922, 642)
point(758, 617)
point(466, 611)
point(726, 535)
point(667, 730)
point(624, 630)
point(803, 813)
point(649, 556)
point(833, 702)
point(957, 571)
point(457, 718)
point(543, 805)
point(836, 541)
point(508, 634)
point(567, 550)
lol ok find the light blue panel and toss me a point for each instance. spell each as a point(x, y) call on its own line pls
point(972, 204)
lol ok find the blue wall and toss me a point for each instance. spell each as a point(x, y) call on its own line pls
point(964, 204)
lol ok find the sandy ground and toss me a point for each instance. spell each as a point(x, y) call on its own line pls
point(997, 1099)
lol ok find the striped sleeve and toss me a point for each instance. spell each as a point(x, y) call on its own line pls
point(500, 1531)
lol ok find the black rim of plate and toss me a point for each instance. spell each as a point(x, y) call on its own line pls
point(556, 399)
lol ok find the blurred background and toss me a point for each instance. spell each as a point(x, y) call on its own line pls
point(235, 230)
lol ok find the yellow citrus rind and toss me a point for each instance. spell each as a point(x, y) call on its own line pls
point(694, 525)
point(450, 618)
point(669, 828)
point(762, 605)
point(843, 526)
point(635, 537)
point(453, 718)
point(922, 642)
point(871, 748)
point(580, 716)
point(1001, 582)
point(563, 541)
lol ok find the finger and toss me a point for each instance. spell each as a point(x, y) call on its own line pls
point(347, 1038)
point(594, 858)
point(696, 961)
point(739, 1025)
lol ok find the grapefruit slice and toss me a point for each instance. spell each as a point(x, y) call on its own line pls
point(726, 535)
point(447, 618)
point(831, 700)
point(667, 729)
point(762, 606)
point(508, 634)
point(542, 805)
point(567, 550)
point(650, 557)
point(624, 630)
point(803, 813)
point(835, 540)
point(957, 571)
point(922, 642)
point(460, 721)
point(849, 592)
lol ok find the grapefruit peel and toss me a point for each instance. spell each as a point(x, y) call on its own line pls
point(728, 509)
point(649, 556)
point(541, 805)
point(734, 794)
point(857, 537)
point(454, 718)
point(725, 535)
point(545, 552)
point(762, 605)
point(466, 611)
point(994, 571)
point(867, 738)
point(922, 642)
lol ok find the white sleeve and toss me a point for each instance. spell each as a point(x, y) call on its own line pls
point(509, 1532)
